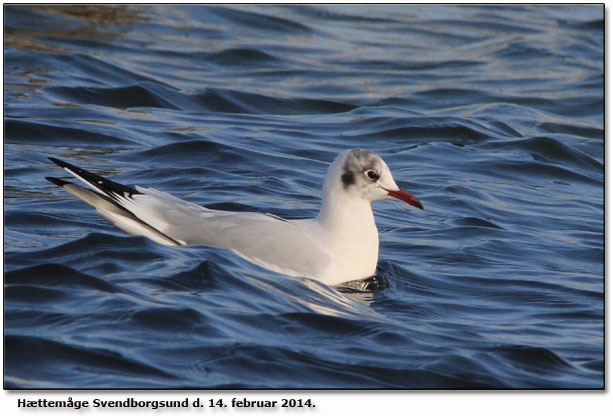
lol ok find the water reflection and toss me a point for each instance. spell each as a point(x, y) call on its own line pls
point(93, 22)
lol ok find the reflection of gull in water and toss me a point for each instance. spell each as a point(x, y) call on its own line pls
point(339, 245)
point(319, 297)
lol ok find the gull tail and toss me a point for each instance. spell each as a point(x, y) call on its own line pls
point(107, 197)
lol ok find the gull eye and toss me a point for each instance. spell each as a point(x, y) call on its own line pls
point(372, 175)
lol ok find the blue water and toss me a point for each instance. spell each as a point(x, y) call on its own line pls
point(491, 115)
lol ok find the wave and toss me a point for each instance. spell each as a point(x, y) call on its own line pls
point(30, 132)
point(54, 275)
point(260, 21)
point(88, 364)
point(211, 99)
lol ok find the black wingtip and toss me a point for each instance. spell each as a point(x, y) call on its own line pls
point(58, 162)
point(57, 181)
point(112, 189)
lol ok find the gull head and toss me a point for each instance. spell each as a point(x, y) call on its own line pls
point(362, 174)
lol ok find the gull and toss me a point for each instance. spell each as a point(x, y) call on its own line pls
point(340, 245)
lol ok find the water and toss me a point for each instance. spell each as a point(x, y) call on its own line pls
point(491, 116)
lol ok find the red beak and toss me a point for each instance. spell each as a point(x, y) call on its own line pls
point(406, 197)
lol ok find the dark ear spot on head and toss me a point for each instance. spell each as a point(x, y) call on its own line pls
point(348, 179)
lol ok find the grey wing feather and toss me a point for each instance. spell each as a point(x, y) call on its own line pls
point(256, 236)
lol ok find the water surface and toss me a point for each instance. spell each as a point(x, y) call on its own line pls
point(491, 115)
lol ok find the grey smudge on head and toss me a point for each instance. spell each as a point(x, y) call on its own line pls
point(348, 178)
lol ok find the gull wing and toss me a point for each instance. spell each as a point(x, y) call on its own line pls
point(267, 240)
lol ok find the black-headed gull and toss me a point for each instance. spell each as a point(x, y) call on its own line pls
point(339, 245)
